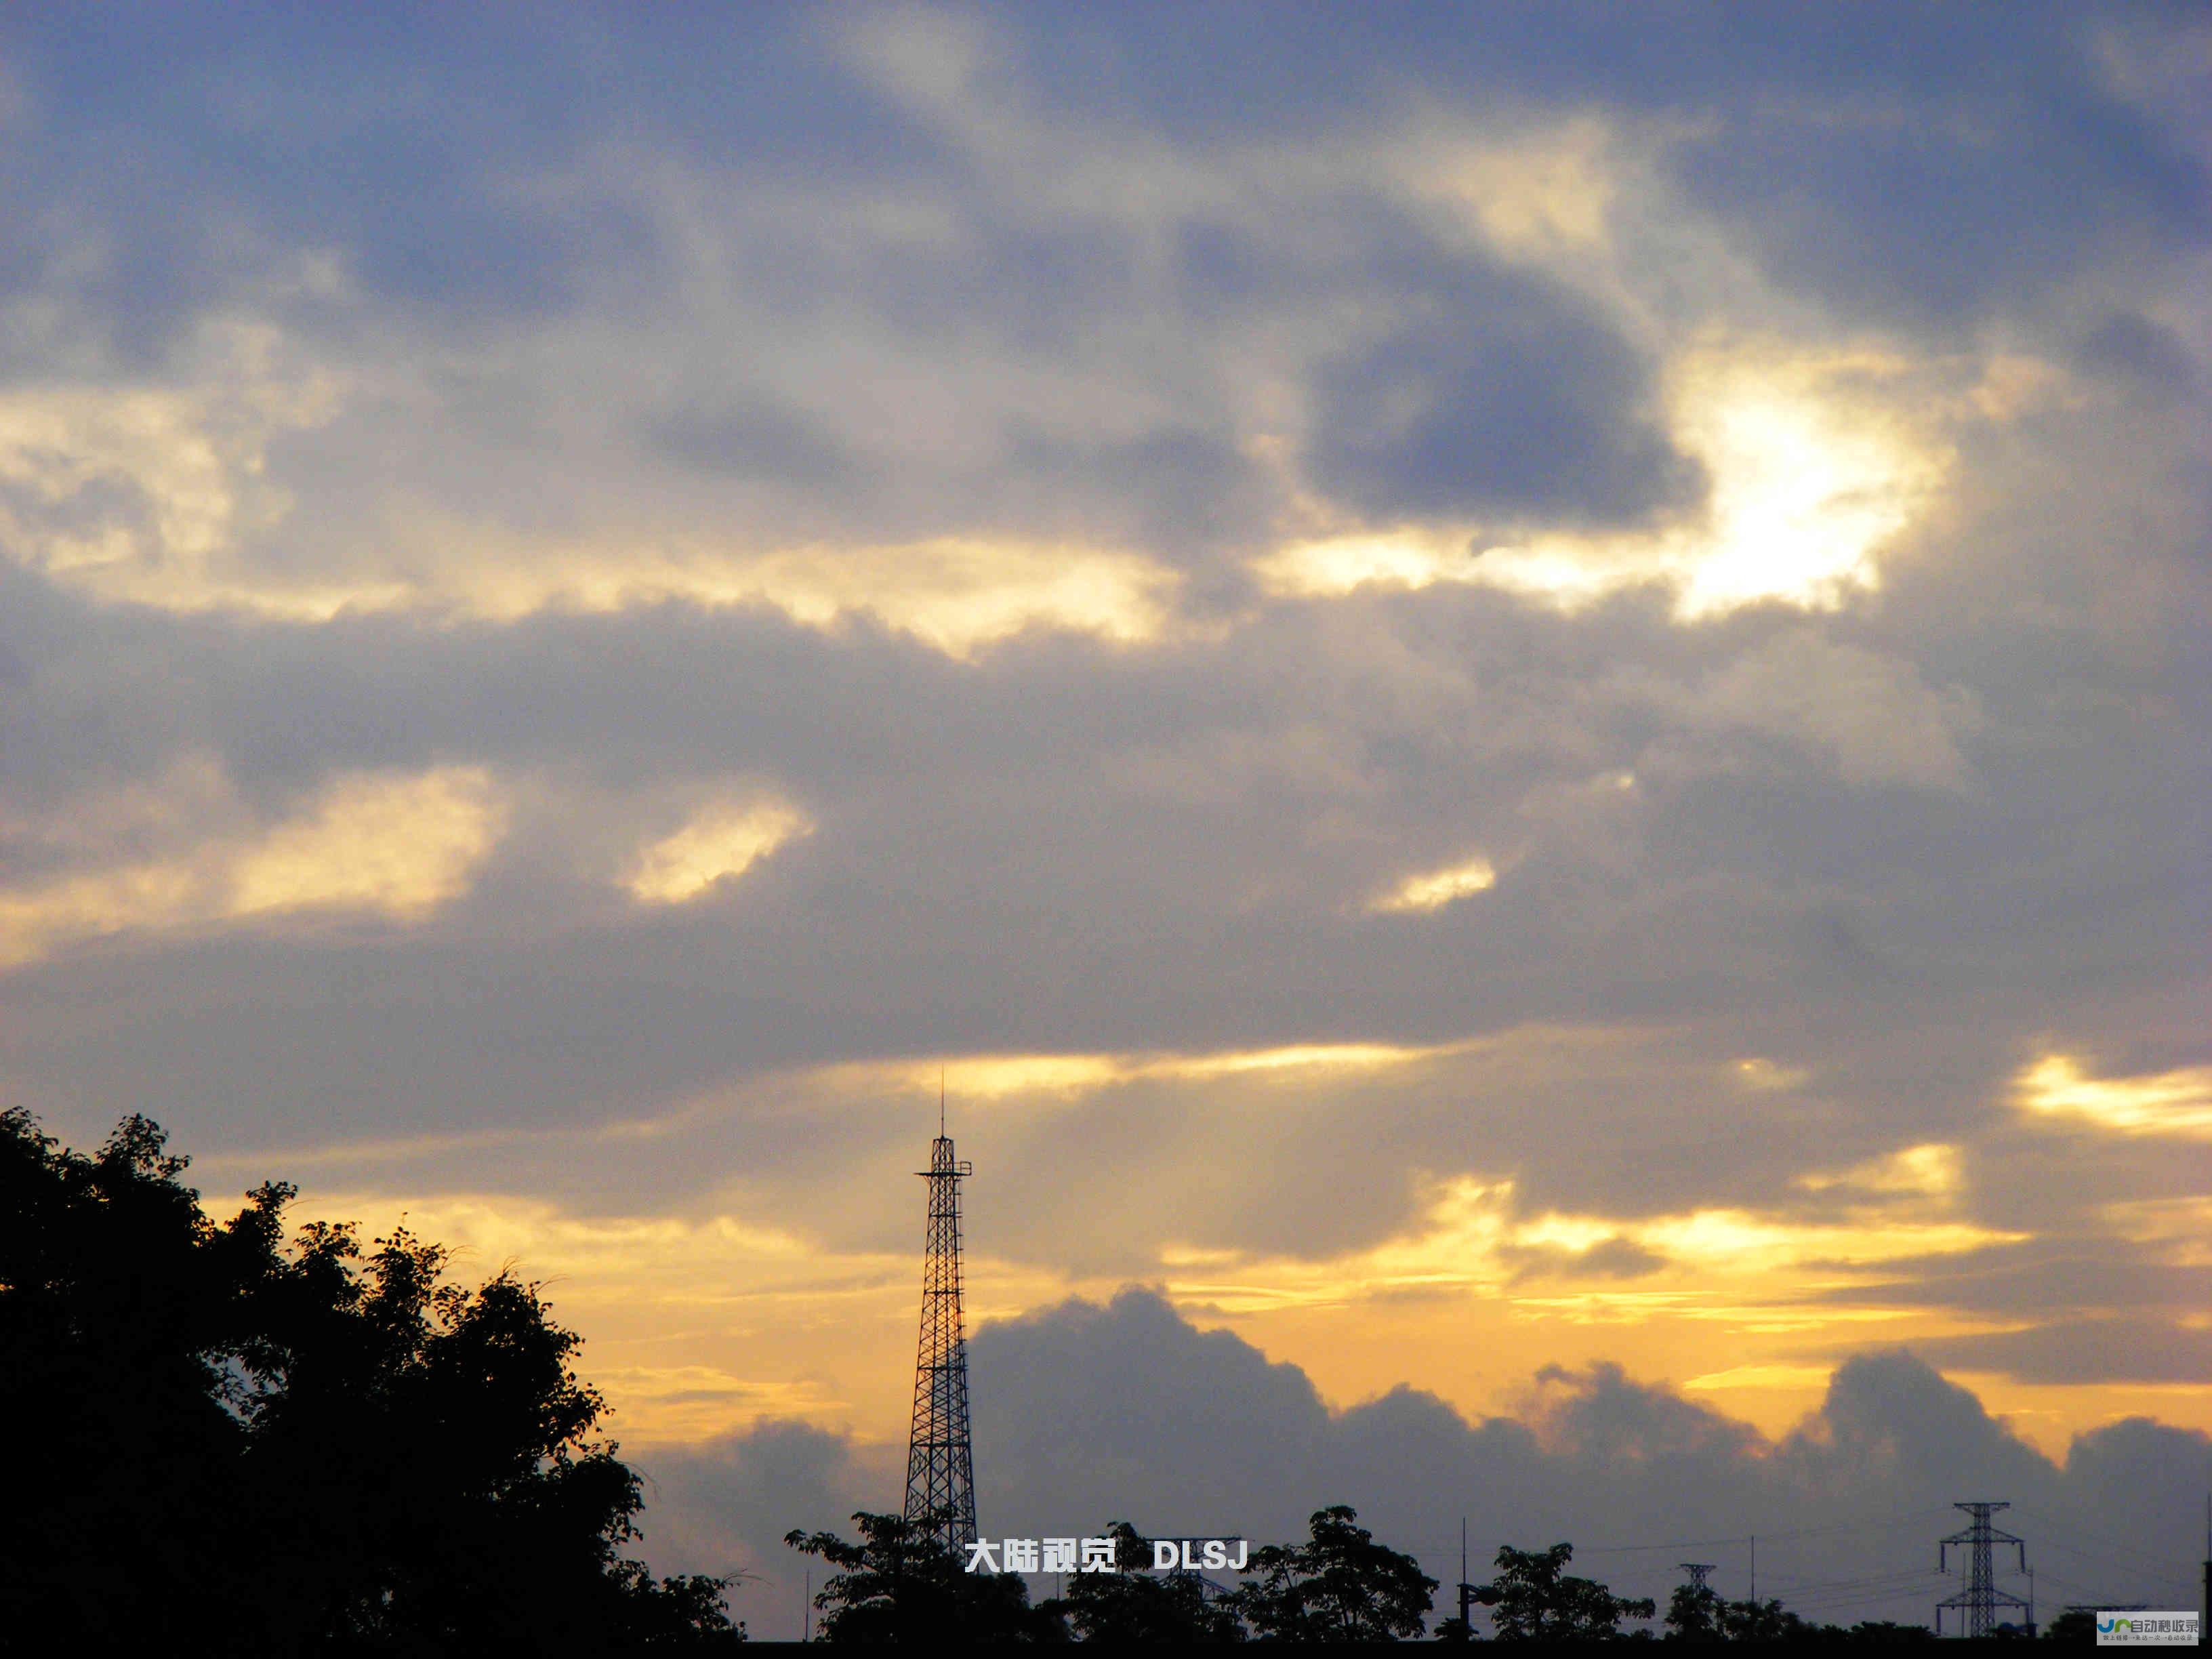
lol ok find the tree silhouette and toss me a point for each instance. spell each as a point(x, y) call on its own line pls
point(1134, 1605)
point(1694, 1614)
point(2073, 1624)
point(1762, 1622)
point(1535, 1599)
point(1339, 1586)
point(898, 1582)
point(300, 1446)
point(1699, 1614)
point(1879, 1630)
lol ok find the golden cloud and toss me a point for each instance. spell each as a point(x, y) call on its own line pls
point(994, 1077)
point(1437, 887)
point(957, 594)
point(1931, 1170)
point(1709, 1262)
point(394, 845)
point(719, 842)
point(2057, 1089)
point(192, 452)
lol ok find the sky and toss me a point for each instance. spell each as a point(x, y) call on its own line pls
point(1520, 699)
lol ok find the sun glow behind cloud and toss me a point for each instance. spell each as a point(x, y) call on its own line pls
point(2057, 1089)
point(957, 594)
point(995, 1078)
point(719, 1314)
point(1438, 889)
point(1712, 1257)
point(1807, 486)
point(1933, 1169)
point(1805, 494)
point(718, 843)
point(156, 493)
point(397, 846)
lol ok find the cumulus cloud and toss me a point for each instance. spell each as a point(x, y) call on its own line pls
point(1087, 1413)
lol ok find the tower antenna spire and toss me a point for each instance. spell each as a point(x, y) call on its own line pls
point(940, 1462)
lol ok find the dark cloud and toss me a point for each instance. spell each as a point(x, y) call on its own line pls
point(1616, 1258)
point(192, 157)
point(1942, 165)
point(724, 1507)
point(2002, 1284)
point(1085, 1414)
point(2031, 176)
point(1513, 410)
point(2104, 1349)
point(2146, 356)
point(757, 442)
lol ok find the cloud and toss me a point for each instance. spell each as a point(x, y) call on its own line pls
point(396, 847)
point(2104, 1349)
point(1509, 408)
point(1089, 1413)
point(1438, 888)
point(2056, 1090)
point(1870, 717)
point(1812, 467)
point(718, 843)
point(1931, 1170)
point(141, 490)
point(724, 1505)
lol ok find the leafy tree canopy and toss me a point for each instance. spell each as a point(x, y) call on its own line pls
point(897, 1582)
point(1763, 1622)
point(1535, 1601)
point(1694, 1614)
point(1134, 1605)
point(1698, 1614)
point(304, 1445)
point(1339, 1586)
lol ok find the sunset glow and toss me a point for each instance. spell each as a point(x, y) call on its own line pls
point(1491, 724)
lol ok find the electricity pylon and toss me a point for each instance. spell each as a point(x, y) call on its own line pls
point(940, 1464)
point(1981, 1598)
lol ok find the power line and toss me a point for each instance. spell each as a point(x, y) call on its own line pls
point(2068, 1531)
